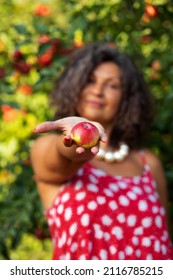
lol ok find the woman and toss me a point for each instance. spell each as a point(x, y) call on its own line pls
point(109, 201)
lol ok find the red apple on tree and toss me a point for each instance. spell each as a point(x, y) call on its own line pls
point(2, 73)
point(85, 134)
point(42, 10)
point(17, 55)
point(22, 67)
point(45, 59)
point(151, 11)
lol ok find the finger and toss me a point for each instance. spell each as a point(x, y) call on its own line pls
point(68, 142)
point(80, 150)
point(44, 127)
point(95, 150)
point(103, 137)
point(48, 126)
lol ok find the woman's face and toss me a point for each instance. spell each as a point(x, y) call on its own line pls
point(100, 98)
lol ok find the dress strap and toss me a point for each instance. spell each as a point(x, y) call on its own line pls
point(143, 158)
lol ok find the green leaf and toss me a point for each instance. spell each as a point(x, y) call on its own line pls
point(20, 28)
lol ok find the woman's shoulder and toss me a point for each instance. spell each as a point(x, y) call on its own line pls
point(157, 169)
point(152, 159)
point(158, 173)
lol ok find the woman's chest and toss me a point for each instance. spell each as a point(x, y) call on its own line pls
point(130, 167)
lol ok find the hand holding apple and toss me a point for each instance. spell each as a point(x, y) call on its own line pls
point(66, 125)
point(85, 135)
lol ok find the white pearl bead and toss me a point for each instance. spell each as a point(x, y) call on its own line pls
point(109, 156)
point(122, 153)
point(101, 154)
point(125, 148)
point(118, 155)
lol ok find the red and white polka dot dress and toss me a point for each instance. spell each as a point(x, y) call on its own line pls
point(98, 216)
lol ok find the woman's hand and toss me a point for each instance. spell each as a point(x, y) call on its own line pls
point(65, 125)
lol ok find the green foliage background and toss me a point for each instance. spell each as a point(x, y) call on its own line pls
point(45, 36)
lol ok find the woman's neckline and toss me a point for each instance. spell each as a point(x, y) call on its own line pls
point(105, 173)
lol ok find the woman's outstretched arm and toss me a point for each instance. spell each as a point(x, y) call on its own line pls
point(55, 157)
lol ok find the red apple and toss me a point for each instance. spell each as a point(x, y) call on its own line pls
point(17, 55)
point(151, 11)
point(42, 10)
point(156, 65)
point(2, 73)
point(45, 59)
point(25, 89)
point(22, 67)
point(85, 134)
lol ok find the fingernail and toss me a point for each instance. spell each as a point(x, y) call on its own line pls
point(67, 141)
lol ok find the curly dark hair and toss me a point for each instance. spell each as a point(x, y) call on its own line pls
point(135, 113)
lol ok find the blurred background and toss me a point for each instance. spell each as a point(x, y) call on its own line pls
point(36, 38)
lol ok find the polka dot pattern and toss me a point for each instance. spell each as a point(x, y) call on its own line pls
point(98, 217)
